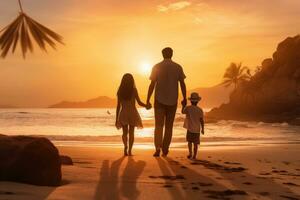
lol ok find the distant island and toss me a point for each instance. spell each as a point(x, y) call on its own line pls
point(271, 93)
point(212, 97)
point(99, 102)
point(7, 106)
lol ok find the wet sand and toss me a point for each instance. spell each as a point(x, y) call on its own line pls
point(239, 172)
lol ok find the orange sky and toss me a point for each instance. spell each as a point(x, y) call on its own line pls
point(106, 38)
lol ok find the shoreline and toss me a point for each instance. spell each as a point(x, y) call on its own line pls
point(177, 145)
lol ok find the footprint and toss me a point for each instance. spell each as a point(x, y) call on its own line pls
point(288, 197)
point(167, 186)
point(264, 193)
point(205, 184)
point(291, 184)
point(195, 188)
point(6, 193)
point(232, 163)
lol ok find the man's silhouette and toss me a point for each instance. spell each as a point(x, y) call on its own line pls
point(164, 78)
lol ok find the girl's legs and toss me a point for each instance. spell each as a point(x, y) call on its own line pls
point(131, 139)
point(190, 150)
point(124, 138)
point(195, 150)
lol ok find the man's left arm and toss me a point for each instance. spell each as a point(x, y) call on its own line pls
point(182, 86)
point(183, 91)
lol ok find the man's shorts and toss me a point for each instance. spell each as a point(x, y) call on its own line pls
point(193, 137)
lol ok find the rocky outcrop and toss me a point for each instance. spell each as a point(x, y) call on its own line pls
point(29, 160)
point(272, 93)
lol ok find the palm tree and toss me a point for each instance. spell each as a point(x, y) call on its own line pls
point(235, 74)
point(23, 30)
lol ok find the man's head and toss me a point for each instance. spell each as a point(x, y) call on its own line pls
point(167, 53)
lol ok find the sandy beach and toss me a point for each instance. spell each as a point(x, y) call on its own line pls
point(232, 172)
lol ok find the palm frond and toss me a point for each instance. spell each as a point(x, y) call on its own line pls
point(243, 69)
point(227, 82)
point(8, 31)
point(243, 77)
point(23, 31)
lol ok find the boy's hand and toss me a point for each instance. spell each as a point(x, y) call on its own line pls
point(202, 131)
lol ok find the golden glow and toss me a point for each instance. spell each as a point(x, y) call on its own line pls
point(145, 68)
point(105, 39)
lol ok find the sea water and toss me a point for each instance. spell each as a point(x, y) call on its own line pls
point(96, 126)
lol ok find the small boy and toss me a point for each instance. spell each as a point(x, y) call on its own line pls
point(194, 123)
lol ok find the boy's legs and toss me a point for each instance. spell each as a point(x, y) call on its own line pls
point(195, 150)
point(190, 146)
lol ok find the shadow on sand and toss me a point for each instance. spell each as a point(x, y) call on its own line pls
point(12, 190)
point(244, 184)
point(114, 186)
point(183, 188)
point(184, 181)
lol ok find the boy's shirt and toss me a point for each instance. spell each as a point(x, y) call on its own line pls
point(192, 120)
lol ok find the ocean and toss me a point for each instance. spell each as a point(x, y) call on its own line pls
point(96, 127)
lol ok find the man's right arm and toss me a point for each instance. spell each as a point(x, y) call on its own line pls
point(150, 91)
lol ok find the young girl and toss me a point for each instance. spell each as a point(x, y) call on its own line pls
point(127, 116)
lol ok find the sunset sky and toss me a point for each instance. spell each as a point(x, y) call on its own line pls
point(106, 38)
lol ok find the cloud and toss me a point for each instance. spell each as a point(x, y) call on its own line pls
point(174, 6)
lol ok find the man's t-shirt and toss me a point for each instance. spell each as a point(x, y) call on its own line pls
point(167, 74)
point(192, 120)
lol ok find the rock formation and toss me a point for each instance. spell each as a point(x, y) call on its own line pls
point(29, 160)
point(273, 93)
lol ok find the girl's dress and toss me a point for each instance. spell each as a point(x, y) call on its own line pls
point(129, 114)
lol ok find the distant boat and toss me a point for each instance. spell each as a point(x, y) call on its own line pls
point(108, 112)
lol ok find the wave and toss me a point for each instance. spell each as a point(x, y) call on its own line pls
point(117, 138)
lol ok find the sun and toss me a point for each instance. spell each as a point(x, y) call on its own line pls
point(145, 68)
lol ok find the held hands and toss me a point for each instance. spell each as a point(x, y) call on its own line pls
point(148, 106)
point(184, 103)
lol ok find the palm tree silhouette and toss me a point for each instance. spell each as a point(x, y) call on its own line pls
point(235, 74)
point(23, 30)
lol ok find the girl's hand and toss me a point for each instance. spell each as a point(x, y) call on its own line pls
point(202, 131)
point(117, 125)
point(148, 106)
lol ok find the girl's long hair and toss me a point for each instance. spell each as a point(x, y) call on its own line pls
point(127, 87)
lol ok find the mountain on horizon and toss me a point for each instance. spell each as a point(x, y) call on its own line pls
point(7, 106)
point(99, 102)
point(211, 97)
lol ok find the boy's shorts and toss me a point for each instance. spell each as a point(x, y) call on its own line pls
point(193, 137)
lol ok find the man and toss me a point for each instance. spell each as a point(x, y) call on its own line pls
point(164, 78)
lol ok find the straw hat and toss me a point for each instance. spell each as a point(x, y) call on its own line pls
point(194, 97)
